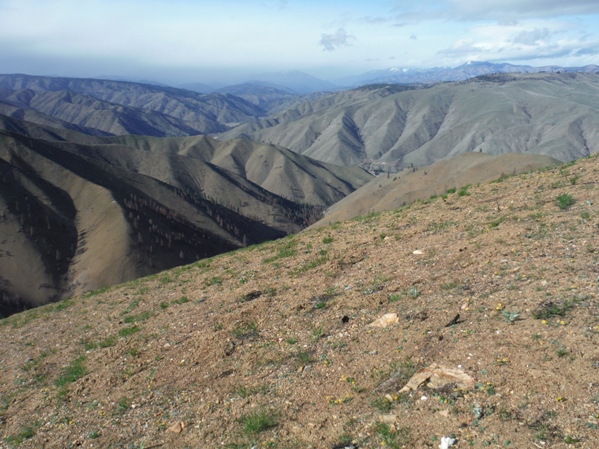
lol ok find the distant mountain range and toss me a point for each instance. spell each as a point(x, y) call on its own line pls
point(392, 127)
point(118, 107)
point(442, 74)
point(300, 83)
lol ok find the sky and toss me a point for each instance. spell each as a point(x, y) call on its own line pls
point(225, 41)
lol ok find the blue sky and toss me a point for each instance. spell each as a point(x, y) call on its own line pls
point(227, 40)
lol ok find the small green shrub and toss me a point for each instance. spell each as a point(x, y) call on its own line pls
point(258, 421)
point(548, 309)
point(123, 404)
point(564, 201)
point(464, 190)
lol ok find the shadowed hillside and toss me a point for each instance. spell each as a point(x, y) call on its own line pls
point(87, 215)
point(490, 329)
point(386, 130)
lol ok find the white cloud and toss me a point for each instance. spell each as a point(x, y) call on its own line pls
point(531, 37)
point(330, 42)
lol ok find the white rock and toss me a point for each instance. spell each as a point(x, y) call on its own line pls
point(446, 442)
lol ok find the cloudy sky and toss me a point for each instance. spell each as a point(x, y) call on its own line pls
point(198, 40)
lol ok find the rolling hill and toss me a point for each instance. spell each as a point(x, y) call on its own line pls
point(389, 128)
point(119, 107)
point(89, 212)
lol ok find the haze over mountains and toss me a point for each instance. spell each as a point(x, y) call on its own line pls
point(118, 107)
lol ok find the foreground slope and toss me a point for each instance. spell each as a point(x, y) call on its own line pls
point(91, 212)
point(270, 346)
point(390, 128)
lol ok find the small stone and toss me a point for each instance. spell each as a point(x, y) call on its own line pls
point(178, 427)
point(418, 252)
point(386, 320)
point(388, 419)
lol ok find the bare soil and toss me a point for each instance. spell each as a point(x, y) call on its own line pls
point(269, 347)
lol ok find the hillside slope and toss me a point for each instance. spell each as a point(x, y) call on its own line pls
point(390, 128)
point(271, 346)
point(387, 192)
point(119, 107)
point(88, 215)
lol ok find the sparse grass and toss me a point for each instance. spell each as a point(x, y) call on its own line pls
point(313, 263)
point(450, 285)
point(75, 370)
point(93, 434)
point(258, 421)
point(245, 330)
point(549, 309)
point(496, 222)
point(64, 304)
point(317, 333)
point(139, 317)
point(381, 404)
point(125, 332)
point(464, 190)
point(393, 297)
point(108, 342)
point(25, 433)
point(123, 404)
point(214, 280)
point(244, 392)
point(304, 357)
point(286, 250)
point(181, 300)
point(96, 292)
point(564, 201)
point(327, 240)
point(391, 437)
point(165, 280)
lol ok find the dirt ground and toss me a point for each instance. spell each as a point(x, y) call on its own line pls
point(270, 346)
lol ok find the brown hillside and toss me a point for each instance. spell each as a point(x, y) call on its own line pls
point(96, 212)
point(271, 346)
point(388, 192)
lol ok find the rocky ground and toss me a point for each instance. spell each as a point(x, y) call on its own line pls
point(272, 347)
